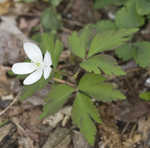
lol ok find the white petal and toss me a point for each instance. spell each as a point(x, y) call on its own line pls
point(33, 52)
point(32, 78)
point(148, 81)
point(47, 71)
point(23, 68)
point(47, 59)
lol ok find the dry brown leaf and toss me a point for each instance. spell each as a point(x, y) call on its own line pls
point(144, 129)
point(82, 11)
point(4, 6)
point(4, 82)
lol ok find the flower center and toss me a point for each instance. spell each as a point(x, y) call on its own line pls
point(38, 64)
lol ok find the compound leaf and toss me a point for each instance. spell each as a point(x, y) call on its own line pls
point(100, 90)
point(55, 47)
point(50, 20)
point(139, 51)
point(109, 40)
point(142, 7)
point(83, 114)
point(127, 17)
point(56, 98)
point(104, 62)
point(79, 43)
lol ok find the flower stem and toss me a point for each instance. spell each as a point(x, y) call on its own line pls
point(64, 82)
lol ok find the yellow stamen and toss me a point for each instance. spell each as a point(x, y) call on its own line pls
point(38, 64)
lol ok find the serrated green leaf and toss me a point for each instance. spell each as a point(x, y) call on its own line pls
point(91, 79)
point(139, 51)
point(103, 3)
point(145, 96)
point(56, 98)
point(142, 56)
point(104, 62)
point(143, 7)
point(79, 43)
point(126, 52)
point(57, 52)
point(36, 37)
point(55, 3)
point(127, 17)
point(29, 1)
point(105, 25)
point(83, 114)
point(48, 43)
point(104, 92)
point(50, 20)
point(28, 91)
point(100, 91)
point(109, 40)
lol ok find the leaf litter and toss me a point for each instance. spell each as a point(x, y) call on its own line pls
point(125, 124)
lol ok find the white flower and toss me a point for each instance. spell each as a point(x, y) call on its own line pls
point(37, 66)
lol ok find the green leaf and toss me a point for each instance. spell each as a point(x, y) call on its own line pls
point(127, 17)
point(56, 98)
point(104, 92)
point(145, 96)
point(109, 40)
point(142, 57)
point(55, 3)
point(28, 91)
point(100, 91)
point(105, 25)
point(79, 43)
point(55, 48)
point(50, 20)
point(57, 52)
point(104, 62)
point(36, 37)
point(47, 42)
point(30, 1)
point(83, 114)
point(103, 3)
point(126, 52)
point(91, 79)
point(11, 73)
point(139, 51)
point(143, 7)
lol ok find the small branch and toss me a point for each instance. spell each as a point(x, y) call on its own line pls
point(63, 82)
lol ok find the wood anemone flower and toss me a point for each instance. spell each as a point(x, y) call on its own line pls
point(37, 67)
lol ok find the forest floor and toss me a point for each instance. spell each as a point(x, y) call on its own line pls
point(126, 124)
